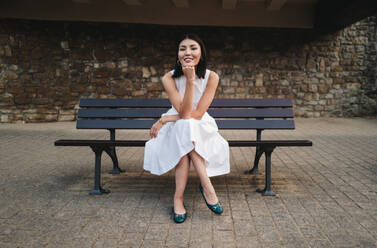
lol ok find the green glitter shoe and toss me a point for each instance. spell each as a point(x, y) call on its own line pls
point(216, 208)
point(179, 218)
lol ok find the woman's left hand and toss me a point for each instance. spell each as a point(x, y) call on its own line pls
point(155, 128)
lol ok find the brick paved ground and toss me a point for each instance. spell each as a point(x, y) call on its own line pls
point(326, 194)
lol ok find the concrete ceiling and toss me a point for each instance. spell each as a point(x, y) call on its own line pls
point(228, 13)
point(252, 13)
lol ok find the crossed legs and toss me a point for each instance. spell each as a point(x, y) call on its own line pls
point(181, 177)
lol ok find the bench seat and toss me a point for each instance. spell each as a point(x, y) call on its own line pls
point(141, 143)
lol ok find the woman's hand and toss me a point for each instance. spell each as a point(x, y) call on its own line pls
point(189, 71)
point(155, 128)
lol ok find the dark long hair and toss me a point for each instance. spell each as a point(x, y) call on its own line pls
point(202, 65)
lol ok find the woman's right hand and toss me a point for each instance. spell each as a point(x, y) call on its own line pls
point(155, 128)
point(189, 72)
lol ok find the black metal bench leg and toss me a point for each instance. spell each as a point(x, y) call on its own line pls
point(267, 189)
point(112, 153)
point(98, 190)
point(255, 169)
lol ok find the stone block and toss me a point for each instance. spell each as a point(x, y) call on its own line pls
point(153, 70)
point(103, 90)
point(101, 73)
point(146, 72)
point(6, 100)
point(121, 92)
point(154, 86)
point(10, 75)
point(311, 65)
point(322, 65)
point(234, 84)
point(40, 101)
point(66, 117)
point(304, 88)
point(338, 80)
point(322, 88)
point(8, 51)
point(240, 90)
point(123, 63)
point(78, 88)
point(229, 90)
point(308, 97)
point(4, 118)
point(110, 64)
point(329, 96)
point(313, 88)
point(353, 85)
point(22, 99)
point(225, 81)
point(64, 45)
point(139, 92)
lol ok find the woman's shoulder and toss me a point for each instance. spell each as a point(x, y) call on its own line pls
point(212, 75)
point(168, 75)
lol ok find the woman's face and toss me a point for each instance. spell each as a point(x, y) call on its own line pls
point(189, 52)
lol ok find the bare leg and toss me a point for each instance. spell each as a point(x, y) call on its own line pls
point(181, 176)
point(200, 168)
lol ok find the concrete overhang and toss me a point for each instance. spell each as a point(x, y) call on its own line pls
point(225, 13)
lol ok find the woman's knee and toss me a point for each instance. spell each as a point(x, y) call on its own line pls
point(193, 155)
point(184, 161)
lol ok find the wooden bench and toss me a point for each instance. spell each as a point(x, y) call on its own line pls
point(238, 114)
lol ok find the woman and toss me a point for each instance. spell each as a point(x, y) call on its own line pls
point(186, 132)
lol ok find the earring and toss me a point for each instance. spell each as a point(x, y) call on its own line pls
point(178, 62)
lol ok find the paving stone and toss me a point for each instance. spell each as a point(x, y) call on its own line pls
point(311, 232)
point(341, 239)
point(100, 243)
point(268, 234)
point(131, 240)
point(326, 194)
point(178, 237)
point(152, 244)
point(319, 243)
point(224, 244)
point(157, 232)
point(244, 228)
point(200, 244)
point(225, 236)
point(246, 242)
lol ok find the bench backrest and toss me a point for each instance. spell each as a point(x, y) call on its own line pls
point(256, 114)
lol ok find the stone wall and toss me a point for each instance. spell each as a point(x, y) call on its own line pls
point(46, 67)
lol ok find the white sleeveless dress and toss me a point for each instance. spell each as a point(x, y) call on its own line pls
point(176, 139)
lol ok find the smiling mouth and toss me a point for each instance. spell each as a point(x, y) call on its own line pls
point(188, 60)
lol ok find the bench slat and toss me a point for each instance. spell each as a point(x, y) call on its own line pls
point(139, 103)
point(251, 113)
point(255, 124)
point(158, 103)
point(255, 103)
point(140, 143)
point(222, 124)
point(155, 113)
point(120, 113)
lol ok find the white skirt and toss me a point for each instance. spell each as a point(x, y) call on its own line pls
point(176, 139)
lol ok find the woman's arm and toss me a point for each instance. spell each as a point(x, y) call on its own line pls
point(185, 111)
point(183, 106)
point(172, 91)
point(188, 99)
point(207, 97)
point(175, 99)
